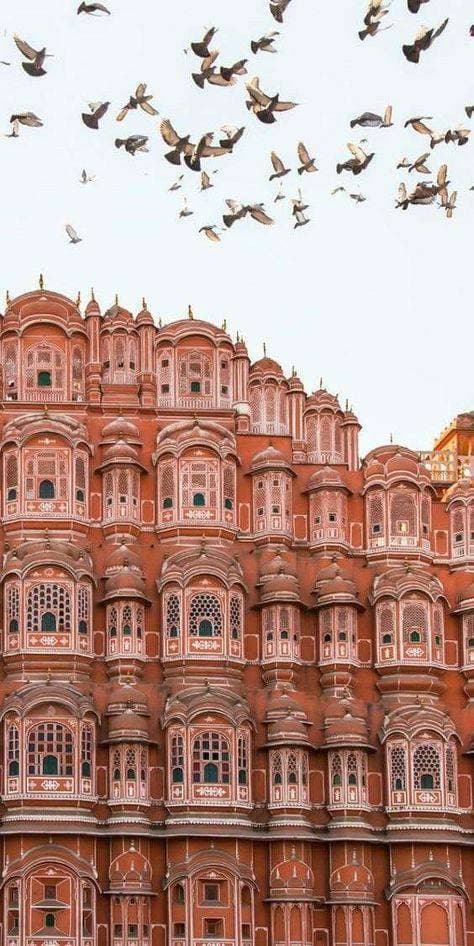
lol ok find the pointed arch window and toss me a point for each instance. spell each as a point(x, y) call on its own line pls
point(205, 616)
point(211, 759)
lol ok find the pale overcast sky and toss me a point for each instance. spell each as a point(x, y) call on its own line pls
point(373, 299)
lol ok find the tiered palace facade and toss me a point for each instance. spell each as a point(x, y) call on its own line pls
point(237, 688)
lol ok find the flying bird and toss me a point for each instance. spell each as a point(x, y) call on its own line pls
point(280, 195)
point(358, 162)
point(92, 8)
point(86, 178)
point(98, 110)
point(459, 135)
point(414, 5)
point(299, 205)
point(203, 149)
point(265, 43)
point(449, 203)
point(301, 219)
point(37, 57)
point(418, 125)
point(207, 70)
point(201, 49)
point(469, 109)
point(423, 40)
point(237, 212)
point(263, 105)
point(419, 164)
point(73, 236)
point(133, 143)
point(27, 118)
point(307, 163)
point(15, 132)
point(232, 136)
point(277, 9)
point(257, 213)
point(236, 69)
point(373, 18)
point(357, 198)
point(210, 232)
point(185, 211)
point(371, 120)
point(279, 169)
point(206, 182)
point(177, 184)
point(140, 99)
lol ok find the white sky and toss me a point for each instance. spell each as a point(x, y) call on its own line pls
point(372, 299)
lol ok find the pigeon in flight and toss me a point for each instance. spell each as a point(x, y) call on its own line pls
point(201, 49)
point(210, 232)
point(98, 110)
point(279, 169)
point(92, 8)
point(37, 57)
point(263, 105)
point(423, 40)
point(358, 162)
point(307, 163)
point(371, 120)
point(133, 143)
point(140, 99)
point(27, 118)
point(265, 43)
point(73, 236)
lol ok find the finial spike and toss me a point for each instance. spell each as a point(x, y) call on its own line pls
point(160, 322)
point(92, 295)
point(347, 403)
point(116, 298)
point(78, 299)
point(320, 384)
point(190, 312)
point(264, 349)
point(224, 325)
point(41, 281)
point(144, 306)
point(391, 438)
point(7, 297)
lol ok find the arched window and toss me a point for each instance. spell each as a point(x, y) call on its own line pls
point(46, 490)
point(50, 750)
point(44, 379)
point(13, 751)
point(398, 768)
point(177, 759)
point(173, 615)
point(205, 616)
point(48, 608)
point(403, 515)
point(194, 375)
point(211, 759)
point(426, 767)
point(199, 499)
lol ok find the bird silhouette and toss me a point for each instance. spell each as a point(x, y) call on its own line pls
point(27, 118)
point(133, 143)
point(358, 162)
point(98, 110)
point(86, 178)
point(232, 136)
point(307, 163)
point(371, 120)
point(210, 232)
point(185, 210)
point(459, 136)
point(177, 184)
point(92, 8)
point(263, 105)
point(37, 57)
point(279, 169)
point(140, 99)
point(201, 48)
point(265, 43)
point(278, 8)
point(73, 236)
point(376, 11)
point(423, 40)
point(436, 137)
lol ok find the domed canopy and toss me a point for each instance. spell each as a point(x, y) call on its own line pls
point(335, 586)
point(326, 478)
point(392, 464)
point(43, 551)
point(395, 582)
point(270, 459)
point(465, 599)
point(287, 732)
point(144, 317)
point(120, 453)
point(194, 431)
point(125, 584)
point(278, 581)
point(266, 367)
point(120, 428)
point(462, 492)
point(117, 314)
point(42, 306)
point(122, 556)
point(322, 400)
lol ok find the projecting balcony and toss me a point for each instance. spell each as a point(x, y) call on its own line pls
point(194, 402)
point(446, 466)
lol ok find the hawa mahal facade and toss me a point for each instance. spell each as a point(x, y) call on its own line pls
point(237, 687)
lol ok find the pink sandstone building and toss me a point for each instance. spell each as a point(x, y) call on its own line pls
point(237, 688)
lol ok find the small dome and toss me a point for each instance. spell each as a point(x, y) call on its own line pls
point(120, 428)
point(124, 584)
point(322, 399)
point(122, 556)
point(373, 468)
point(295, 383)
point(144, 317)
point(269, 458)
point(326, 478)
point(121, 451)
point(288, 731)
point(117, 314)
point(266, 367)
point(92, 307)
point(402, 464)
point(462, 491)
point(332, 585)
point(127, 725)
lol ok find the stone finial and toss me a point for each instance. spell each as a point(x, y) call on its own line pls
point(190, 312)
point(41, 281)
